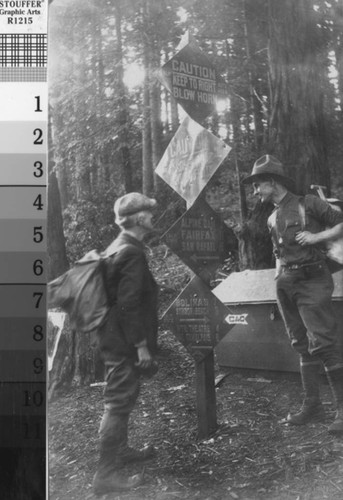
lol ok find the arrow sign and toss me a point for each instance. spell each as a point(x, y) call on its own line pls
point(193, 81)
point(191, 158)
point(201, 240)
point(198, 319)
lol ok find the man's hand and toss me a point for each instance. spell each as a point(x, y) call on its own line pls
point(328, 235)
point(144, 357)
point(306, 238)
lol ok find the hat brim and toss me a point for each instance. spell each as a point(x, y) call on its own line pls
point(285, 181)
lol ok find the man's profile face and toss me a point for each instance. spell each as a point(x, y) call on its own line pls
point(145, 219)
point(264, 189)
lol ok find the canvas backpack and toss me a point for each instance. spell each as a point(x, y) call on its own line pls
point(81, 292)
point(334, 249)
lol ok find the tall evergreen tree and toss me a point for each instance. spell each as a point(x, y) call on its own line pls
point(298, 67)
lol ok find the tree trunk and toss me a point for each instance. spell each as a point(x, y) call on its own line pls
point(337, 20)
point(156, 123)
point(339, 59)
point(249, 15)
point(147, 173)
point(101, 161)
point(84, 359)
point(61, 352)
point(57, 255)
point(242, 197)
point(123, 118)
point(63, 183)
point(254, 243)
point(174, 114)
point(297, 126)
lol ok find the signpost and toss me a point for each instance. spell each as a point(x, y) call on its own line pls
point(199, 237)
point(198, 319)
point(201, 240)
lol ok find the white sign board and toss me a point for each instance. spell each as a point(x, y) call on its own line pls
point(191, 158)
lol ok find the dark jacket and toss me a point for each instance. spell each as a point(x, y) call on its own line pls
point(133, 293)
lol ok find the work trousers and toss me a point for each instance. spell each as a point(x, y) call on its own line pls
point(304, 297)
point(122, 385)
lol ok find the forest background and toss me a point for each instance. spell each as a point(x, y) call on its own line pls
point(110, 119)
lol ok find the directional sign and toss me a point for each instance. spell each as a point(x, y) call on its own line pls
point(201, 240)
point(198, 319)
point(194, 81)
point(191, 158)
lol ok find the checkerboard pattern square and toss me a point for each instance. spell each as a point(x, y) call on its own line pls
point(21, 51)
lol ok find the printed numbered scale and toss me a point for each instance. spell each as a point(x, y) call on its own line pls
point(23, 157)
point(23, 210)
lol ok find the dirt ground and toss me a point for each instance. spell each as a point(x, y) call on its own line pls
point(251, 456)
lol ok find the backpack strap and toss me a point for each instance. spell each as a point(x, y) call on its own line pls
point(273, 225)
point(112, 249)
point(302, 213)
point(274, 230)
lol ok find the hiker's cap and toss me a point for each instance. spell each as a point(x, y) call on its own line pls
point(132, 203)
point(269, 165)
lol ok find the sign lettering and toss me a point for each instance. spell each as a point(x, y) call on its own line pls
point(201, 239)
point(197, 318)
point(193, 81)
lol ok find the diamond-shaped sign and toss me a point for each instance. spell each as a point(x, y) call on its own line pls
point(201, 240)
point(197, 319)
point(191, 158)
point(194, 81)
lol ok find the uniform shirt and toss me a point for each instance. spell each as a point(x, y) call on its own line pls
point(285, 222)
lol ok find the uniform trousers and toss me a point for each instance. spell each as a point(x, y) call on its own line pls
point(304, 297)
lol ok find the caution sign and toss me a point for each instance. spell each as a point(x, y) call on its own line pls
point(197, 319)
point(201, 240)
point(191, 158)
point(194, 81)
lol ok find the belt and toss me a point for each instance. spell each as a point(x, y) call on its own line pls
point(303, 265)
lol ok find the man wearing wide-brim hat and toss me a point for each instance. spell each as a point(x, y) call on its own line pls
point(304, 283)
point(127, 342)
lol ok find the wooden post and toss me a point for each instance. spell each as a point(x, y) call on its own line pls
point(206, 396)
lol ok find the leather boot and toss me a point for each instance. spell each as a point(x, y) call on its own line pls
point(107, 478)
point(129, 455)
point(312, 408)
point(125, 453)
point(335, 378)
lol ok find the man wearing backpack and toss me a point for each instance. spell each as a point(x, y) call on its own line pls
point(304, 283)
point(128, 340)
